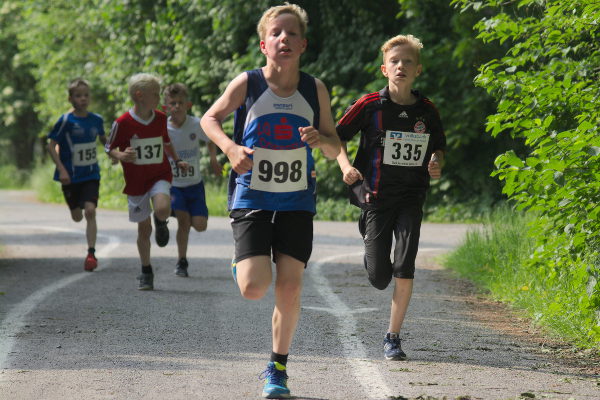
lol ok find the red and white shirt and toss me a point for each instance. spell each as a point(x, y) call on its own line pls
point(147, 138)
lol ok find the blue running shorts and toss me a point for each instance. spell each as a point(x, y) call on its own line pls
point(191, 199)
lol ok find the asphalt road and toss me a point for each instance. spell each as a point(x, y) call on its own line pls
point(70, 334)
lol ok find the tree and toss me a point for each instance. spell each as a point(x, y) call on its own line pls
point(547, 91)
point(18, 120)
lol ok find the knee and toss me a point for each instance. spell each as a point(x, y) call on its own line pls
point(253, 291)
point(199, 226)
point(76, 215)
point(90, 213)
point(290, 288)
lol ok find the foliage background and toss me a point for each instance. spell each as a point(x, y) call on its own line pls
point(515, 81)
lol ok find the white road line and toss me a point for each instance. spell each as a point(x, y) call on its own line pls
point(365, 372)
point(15, 319)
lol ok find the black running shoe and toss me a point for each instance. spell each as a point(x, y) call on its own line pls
point(146, 281)
point(162, 232)
point(182, 267)
point(392, 350)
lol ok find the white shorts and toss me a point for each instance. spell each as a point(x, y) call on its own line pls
point(140, 207)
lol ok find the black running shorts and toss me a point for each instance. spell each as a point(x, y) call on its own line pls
point(77, 194)
point(379, 228)
point(262, 232)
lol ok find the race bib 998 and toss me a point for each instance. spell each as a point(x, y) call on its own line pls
point(279, 171)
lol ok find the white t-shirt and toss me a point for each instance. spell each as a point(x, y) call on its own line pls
point(186, 141)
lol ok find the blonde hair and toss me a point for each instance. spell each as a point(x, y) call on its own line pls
point(276, 11)
point(399, 40)
point(75, 83)
point(142, 82)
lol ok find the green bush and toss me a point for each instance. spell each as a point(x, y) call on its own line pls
point(496, 257)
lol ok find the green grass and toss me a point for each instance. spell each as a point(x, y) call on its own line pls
point(496, 257)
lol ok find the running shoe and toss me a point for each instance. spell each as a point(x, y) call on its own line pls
point(182, 267)
point(90, 263)
point(275, 377)
point(234, 269)
point(146, 281)
point(392, 349)
point(162, 232)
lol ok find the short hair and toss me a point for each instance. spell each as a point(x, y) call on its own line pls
point(75, 83)
point(142, 81)
point(176, 89)
point(276, 11)
point(399, 40)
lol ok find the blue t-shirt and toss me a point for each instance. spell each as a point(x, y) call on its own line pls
point(76, 137)
point(283, 177)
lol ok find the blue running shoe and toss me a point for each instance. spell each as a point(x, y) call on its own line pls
point(275, 381)
point(392, 350)
point(234, 269)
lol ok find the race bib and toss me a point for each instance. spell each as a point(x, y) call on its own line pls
point(405, 149)
point(279, 171)
point(148, 151)
point(184, 177)
point(84, 154)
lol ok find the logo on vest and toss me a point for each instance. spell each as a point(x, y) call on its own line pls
point(403, 114)
point(283, 106)
point(283, 131)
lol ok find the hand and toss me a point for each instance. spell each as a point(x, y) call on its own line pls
point(128, 155)
point(310, 136)
point(351, 175)
point(63, 177)
point(434, 167)
point(238, 157)
point(217, 168)
point(182, 165)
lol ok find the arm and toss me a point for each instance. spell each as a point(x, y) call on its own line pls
point(172, 154)
point(112, 148)
point(217, 168)
point(212, 124)
point(435, 164)
point(349, 173)
point(63, 174)
point(326, 137)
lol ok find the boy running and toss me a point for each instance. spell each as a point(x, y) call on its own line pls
point(188, 201)
point(72, 147)
point(281, 114)
point(402, 145)
point(137, 139)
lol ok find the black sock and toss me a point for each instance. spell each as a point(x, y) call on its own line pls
point(280, 358)
point(146, 269)
point(92, 250)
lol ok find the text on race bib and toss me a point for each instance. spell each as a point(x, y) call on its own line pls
point(405, 149)
point(148, 151)
point(279, 171)
point(84, 154)
point(183, 176)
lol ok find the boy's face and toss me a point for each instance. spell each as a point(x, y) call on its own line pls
point(80, 97)
point(401, 66)
point(177, 106)
point(283, 38)
point(149, 97)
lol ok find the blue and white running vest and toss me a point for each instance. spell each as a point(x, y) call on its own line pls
point(283, 176)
